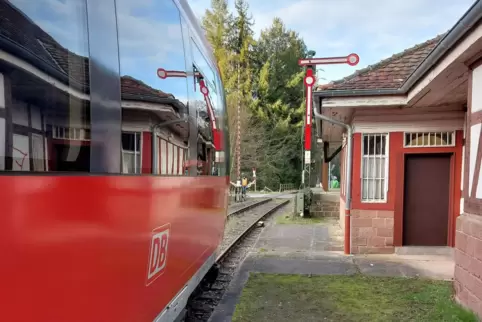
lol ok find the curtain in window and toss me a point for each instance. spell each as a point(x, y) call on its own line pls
point(38, 153)
point(163, 156)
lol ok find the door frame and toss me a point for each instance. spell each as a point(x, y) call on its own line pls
point(455, 191)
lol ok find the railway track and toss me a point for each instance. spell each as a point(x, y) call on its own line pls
point(245, 206)
point(240, 235)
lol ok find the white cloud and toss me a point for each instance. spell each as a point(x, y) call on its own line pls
point(374, 29)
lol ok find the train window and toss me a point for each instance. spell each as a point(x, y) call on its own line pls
point(154, 82)
point(44, 86)
point(131, 153)
point(208, 117)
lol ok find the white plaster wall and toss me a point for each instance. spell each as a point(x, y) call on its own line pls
point(2, 91)
point(476, 105)
point(476, 92)
point(428, 119)
point(462, 177)
point(474, 142)
point(36, 118)
point(20, 113)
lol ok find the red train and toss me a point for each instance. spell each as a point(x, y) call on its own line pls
point(113, 166)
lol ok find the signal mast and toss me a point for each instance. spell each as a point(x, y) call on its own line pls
point(309, 82)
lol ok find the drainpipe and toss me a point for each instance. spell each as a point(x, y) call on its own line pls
point(349, 147)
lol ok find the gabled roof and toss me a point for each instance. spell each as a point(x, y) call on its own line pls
point(21, 32)
point(389, 73)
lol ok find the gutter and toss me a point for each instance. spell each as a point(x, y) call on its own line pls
point(319, 116)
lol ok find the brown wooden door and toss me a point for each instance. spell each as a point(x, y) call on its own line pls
point(426, 200)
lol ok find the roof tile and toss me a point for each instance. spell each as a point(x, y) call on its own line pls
point(389, 73)
point(19, 29)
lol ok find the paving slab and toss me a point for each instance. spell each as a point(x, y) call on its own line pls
point(302, 240)
point(311, 250)
point(433, 266)
point(320, 266)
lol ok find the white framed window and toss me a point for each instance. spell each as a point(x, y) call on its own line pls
point(131, 152)
point(70, 133)
point(374, 172)
point(428, 139)
point(38, 152)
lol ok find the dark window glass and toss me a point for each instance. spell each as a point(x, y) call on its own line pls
point(374, 144)
point(131, 153)
point(154, 82)
point(44, 86)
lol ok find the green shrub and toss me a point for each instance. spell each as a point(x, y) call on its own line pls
point(308, 197)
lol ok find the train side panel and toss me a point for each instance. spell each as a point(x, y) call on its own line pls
point(80, 248)
point(113, 198)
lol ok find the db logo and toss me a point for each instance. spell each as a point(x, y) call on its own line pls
point(158, 253)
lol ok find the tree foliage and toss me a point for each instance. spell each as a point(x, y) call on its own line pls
point(263, 78)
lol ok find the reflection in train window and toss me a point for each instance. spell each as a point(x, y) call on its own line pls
point(153, 82)
point(206, 103)
point(44, 86)
point(131, 153)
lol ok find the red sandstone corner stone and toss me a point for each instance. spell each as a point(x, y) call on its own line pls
point(362, 222)
point(476, 228)
point(389, 222)
point(389, 241)
point(376, 241)
point(376, 250)
point(460, 291)
point(359, 241)
point(462, 259)
point(462, 275)
point(474, 303)
point(366, 232)
point(379, 223)
point(385, 214)
point(475, 267)
point(461, 241)
point(355, 212)
point(476, 287)
point(471, 242)
point(458, 223)
point(478, 249)
point(367, 214)
point(385, 232)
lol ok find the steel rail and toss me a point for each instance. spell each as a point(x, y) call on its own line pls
point(228, 249)
point(249, 207)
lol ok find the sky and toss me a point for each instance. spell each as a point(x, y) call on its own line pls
point(374, 29)
point(151, 37)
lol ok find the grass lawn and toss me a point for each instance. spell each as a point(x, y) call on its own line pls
point(289, 219)
point(280, 298)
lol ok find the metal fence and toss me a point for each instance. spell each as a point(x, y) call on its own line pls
point(286, 187)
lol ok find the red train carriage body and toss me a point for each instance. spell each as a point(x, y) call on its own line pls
point(114, 185)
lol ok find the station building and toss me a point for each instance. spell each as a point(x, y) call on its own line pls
point(417, 150)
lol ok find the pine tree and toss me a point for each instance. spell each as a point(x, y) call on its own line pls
point(264, 78)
